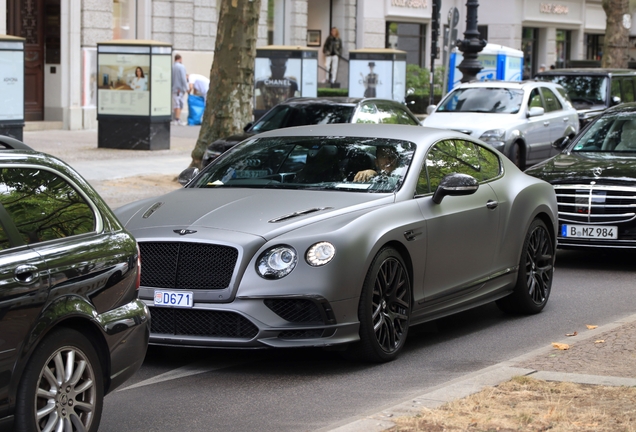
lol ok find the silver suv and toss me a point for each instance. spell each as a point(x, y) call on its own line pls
point(520, 119)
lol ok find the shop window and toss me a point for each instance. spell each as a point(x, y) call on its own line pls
point(124, 19)
point(594, 46)
point(407, 37)
point(563, 43)
point(529, 44)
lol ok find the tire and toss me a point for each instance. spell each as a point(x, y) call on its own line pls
point(61, 398)
point(384, 310)
point(536, 270)
point(517, 155)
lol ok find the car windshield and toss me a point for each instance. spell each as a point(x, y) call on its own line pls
point(484, 100)
point(283, 116)
point(584, 91)
point(614, 132)
point(316, 163)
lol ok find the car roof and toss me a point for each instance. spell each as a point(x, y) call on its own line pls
point(333, 100)
point(10, 143)
point(588, 71)
point(624, 107)
point(504, 84)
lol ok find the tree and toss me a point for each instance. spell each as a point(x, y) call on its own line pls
point(229, 100)
point(615, 54)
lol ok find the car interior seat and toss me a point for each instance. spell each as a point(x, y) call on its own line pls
point(628, 137)
point(322, 165)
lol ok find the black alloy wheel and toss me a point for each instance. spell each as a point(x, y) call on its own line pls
point(517, 156)
point(385, 308)
point(536, 271)
point(62, 387)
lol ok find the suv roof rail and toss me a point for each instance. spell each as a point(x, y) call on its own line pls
point(10, 143)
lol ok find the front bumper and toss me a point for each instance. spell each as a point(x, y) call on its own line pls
point(302, 321)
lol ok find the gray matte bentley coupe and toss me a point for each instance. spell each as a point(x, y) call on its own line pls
point(342, 235)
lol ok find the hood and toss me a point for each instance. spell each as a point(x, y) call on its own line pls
point(609, 168)
point(224, 143)
point(474, 124)
point(264, 213)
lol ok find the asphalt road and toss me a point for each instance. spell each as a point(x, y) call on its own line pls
point(309, 390)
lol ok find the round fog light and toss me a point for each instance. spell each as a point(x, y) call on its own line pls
point(320, 254)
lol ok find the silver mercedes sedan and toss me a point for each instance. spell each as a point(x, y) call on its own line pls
point(342, 236)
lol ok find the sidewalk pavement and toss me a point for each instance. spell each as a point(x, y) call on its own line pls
point(601, 356)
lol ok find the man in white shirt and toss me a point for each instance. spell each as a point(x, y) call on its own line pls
point(198, 85)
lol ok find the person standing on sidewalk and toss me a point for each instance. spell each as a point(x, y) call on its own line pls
point(332, 49)
point(179, 88)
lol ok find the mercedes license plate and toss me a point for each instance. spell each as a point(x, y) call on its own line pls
point(589, 231)
point(182, 299)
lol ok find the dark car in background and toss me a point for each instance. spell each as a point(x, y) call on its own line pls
point(593, 90)
point(311, 111)
point(595, 183)
point(71, 326)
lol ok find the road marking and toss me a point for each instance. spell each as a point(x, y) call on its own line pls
point(184, 371)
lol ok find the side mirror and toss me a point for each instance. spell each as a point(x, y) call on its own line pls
point(455, 185)
point(187, 175)
point(430, 109)
point(616, 100)
point(562, 142)
point(536, 111)
point(248, 126)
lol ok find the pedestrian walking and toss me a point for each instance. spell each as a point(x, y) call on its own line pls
point(179, 88)
point(332, 49)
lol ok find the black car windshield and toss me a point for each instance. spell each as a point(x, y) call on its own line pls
point(316, 163)
point(283, 116)
point(584, 91)
point(484, 100)
point(615, 132)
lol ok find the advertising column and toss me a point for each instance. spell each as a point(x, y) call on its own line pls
point(134, 81)
point(377, 73)
point(12, 86)
point(282, 72)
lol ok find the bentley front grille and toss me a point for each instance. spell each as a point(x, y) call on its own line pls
point(596, 204)
point(190, 266)
point(196, 322)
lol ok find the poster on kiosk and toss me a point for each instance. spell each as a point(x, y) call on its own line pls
point(377, 73)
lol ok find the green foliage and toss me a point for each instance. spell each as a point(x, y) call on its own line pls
point(330, 92)
point(418, 79)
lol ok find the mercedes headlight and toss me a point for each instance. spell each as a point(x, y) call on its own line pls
point(320, 254)
point(276, 262)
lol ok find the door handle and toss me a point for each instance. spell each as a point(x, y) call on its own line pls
point(565, 120)
point(491, 204)
point(546, 123)
point(26, 274)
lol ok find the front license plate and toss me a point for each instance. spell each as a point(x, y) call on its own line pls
point(587, 231)
point(182, 299)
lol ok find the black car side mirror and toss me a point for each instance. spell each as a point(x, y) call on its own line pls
point(562, 142)
point(187, 175)
point(455, 184)
point(248, 126)
point(616, 100)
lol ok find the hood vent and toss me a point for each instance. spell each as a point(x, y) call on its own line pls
point(152, 209)
point(298, 213)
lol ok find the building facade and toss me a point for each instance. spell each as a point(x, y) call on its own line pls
point(62, 35)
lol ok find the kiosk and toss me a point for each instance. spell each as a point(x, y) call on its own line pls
point(281, 72)
point(499, 63)
point(134, 94)
point(377, 73)
point(12, 86)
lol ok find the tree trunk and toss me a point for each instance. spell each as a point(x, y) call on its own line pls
point(615, 48)
point(228, 106)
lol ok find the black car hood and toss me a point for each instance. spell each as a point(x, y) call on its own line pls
point(231, 141)
point(616, 168)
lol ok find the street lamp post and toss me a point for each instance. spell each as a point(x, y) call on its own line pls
point(471, 45)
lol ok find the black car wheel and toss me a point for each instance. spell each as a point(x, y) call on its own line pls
point(62, 387)
point(385, 309)
point(517, 155)
point(536, 270)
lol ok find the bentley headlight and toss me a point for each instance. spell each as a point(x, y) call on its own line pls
point(493, 135)
point(320, 254)
point(276, 262)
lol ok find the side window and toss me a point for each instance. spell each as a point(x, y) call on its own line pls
point(535, 99)
point(367, 114)
point(393, 114)
point(451, 156)
point(616, 88)
point(628, 89)
point(489, 164)
point(43, 206)
point(4, 239)
point(551, 101)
